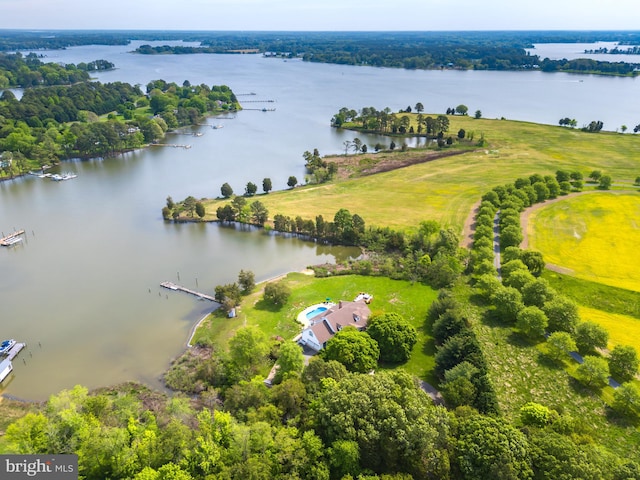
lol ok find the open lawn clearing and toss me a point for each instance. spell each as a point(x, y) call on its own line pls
point(596, 295)
point(521, 373)
point(445, 189)
point(595, 236)
point(411, 300)
point(623, 330)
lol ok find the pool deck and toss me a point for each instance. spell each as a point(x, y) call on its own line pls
point(302, 316)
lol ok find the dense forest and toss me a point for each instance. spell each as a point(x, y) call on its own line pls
point(504, 50)
point(29, 71)
point(91, 119)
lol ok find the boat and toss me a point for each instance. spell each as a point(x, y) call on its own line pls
point(11, 241)
point(215, 127)
point(6, 345)
point(58, 177)
point(6, 367)
point(12, 238)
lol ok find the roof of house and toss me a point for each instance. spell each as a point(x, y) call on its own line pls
point(326, 324)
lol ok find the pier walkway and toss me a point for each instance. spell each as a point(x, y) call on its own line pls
point(179, 288)
point(15, 350)
point(11, 238)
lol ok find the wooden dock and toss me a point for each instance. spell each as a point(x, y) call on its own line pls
point(15, 350)
point(180, 288)
point(10, 239)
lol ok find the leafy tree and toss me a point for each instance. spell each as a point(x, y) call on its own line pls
point(226, 190)
point(248, 348)
point(458, 387)
point(189, 205)
point(319, 369)
point(537, 293)
point(266, 185)
point(395, 336)
point(507, 302)
point(532, 322)
point(532, 413)
point(533, 260)
point(246, 281)
point(396, 427)
point(605, 182)
point(462, 109)
point(292, 181)
point(459, 348)
point(623, 363)
point(595, 175)
point(356, 350)
point(251, 189)
point(559, 344)
point(510, 236)
point(626, 399)
point(200, 211)
point(590, 336)
point(562, 313)
point(489, 447)
point(461, 133)
point(259, 213)
point(478, 114)
point(228, 295)
point(419, 107)
point(593, 372)
point(290, 361)
point(448, 324)
point(277, 293)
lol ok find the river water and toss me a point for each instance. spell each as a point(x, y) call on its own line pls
point(83, 288)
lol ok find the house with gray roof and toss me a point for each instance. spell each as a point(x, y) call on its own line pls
point(326, 324)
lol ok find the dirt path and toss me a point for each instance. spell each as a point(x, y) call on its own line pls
point(469, 227)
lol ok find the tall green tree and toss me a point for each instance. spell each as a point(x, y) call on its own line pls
point(356, 350)
point(226, 190)
point(266, 185)
point(395, 336)
point(623, 363)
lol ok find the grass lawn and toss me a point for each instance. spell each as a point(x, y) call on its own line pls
point(445, 189)
point(623, 330)
point(521, 373)
point(410, 300)
point(593, 235)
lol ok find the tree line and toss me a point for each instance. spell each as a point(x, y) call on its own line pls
point(52, 123)
point(532, 306)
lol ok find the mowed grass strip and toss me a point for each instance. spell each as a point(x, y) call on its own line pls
point(623, 330)
point(596, 295)
point(595, 236)
point(445, 189)
point(411, 300)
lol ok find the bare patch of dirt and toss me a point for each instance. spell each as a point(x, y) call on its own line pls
point(350, 166)
point(469, 227)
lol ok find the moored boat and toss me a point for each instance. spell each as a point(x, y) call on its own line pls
point(6, 345)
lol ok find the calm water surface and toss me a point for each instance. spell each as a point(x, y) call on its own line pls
point(82, 290)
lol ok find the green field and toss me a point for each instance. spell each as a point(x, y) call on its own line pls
point(521, 373)
point(595, 236)
point(445, 189)
point(411, 300)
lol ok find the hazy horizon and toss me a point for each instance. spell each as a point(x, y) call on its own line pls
point(330, 15)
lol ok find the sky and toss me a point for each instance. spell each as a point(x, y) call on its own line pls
point(323, 15)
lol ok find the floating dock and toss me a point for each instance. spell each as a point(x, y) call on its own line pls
point(179, 288)
point(11, 238)
point(15, 350)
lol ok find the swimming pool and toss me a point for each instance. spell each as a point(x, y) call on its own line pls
point(316, 311)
